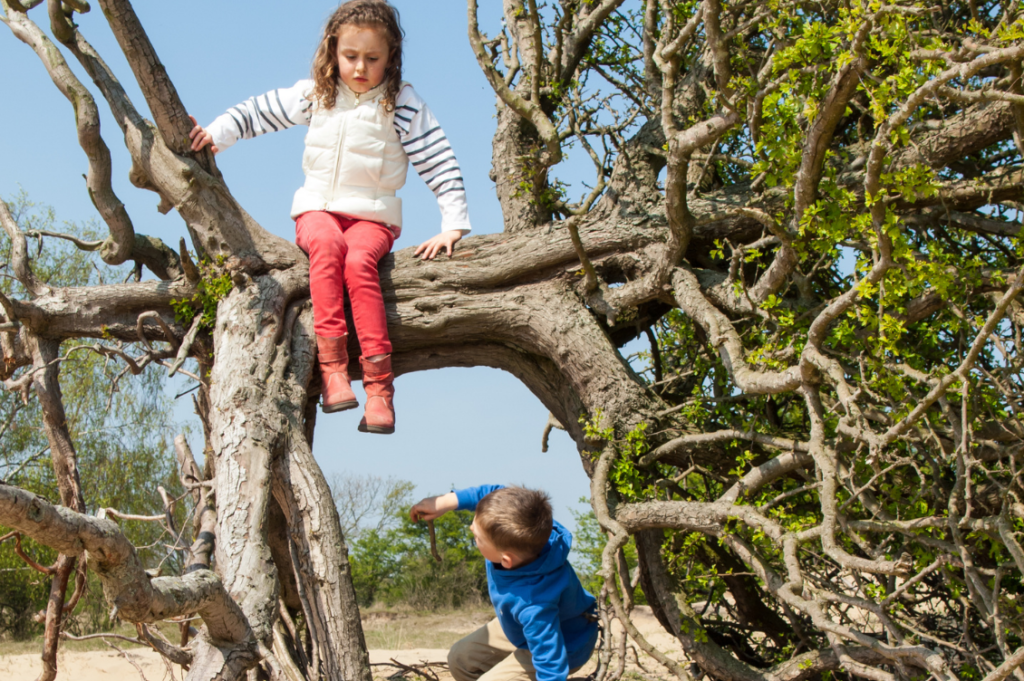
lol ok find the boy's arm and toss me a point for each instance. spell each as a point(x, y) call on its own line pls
point(543, 632)
point(275, 110)
point(458, 500)
point(468, 498)
point(433, 507)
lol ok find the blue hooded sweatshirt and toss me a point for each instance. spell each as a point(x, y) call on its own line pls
point(541, 605)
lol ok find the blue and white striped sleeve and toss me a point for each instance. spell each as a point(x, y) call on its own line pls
point(275, 110)
point(431, 155)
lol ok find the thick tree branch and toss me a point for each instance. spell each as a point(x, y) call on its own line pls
point(161, 96)
point(218, 224)
point(881, 143)
point(718, 47)
point(582, 35)
point(120, 245)
point(530, 110)
point(723, 336)
point(137, 596)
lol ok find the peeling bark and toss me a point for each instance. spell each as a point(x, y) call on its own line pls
point(516, 301)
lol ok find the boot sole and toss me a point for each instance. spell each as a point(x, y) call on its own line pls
point(376, 429)
point(340, 406)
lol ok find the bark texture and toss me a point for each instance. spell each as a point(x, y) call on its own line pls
point(810, 212)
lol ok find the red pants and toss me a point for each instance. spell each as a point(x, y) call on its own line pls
point(343, 255)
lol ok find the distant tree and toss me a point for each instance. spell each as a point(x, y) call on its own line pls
point(813, 208)
point(393, 564)
point(123, 427)
point(369, 502)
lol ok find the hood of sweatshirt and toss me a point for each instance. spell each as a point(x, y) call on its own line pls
point(552, 558)
point(542, 606)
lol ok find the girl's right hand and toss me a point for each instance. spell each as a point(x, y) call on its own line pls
point(433, 507)
point(200, 138)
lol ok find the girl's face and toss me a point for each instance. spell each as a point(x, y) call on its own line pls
point(362, 57)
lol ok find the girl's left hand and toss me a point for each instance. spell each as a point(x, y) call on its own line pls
point(444, 241)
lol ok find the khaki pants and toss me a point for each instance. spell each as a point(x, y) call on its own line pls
point(488, 655)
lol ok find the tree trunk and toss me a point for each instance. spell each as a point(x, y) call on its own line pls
point(752, 266)
point(260, 448)
point(520, 182)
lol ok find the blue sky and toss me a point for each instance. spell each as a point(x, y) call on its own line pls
point(455, 427)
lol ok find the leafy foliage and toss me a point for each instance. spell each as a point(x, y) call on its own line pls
point(588, 545)
point(214, 283)
point(123, 431)
point(393, 565)
point(887, 354)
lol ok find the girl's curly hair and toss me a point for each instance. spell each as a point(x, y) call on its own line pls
point(364, 13)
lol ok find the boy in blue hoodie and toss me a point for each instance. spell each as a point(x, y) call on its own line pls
point(545, 628)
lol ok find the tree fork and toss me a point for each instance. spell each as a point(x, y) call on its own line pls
point(138, 597)
point(514, 301)
point(260, 447)
point(521, 180)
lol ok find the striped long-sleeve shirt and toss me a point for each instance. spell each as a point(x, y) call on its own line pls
point(424, 141)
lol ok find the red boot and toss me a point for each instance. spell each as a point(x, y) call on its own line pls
point(336, 391)
point(380, 394)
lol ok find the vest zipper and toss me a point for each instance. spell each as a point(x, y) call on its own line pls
point(341, 149)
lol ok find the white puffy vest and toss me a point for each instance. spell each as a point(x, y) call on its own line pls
point(354, 162)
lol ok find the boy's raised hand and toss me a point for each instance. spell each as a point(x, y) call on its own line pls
point(433, 507)
point(200, 138)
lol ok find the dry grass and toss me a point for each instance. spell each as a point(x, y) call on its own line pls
point(35, 645)
point(405, 630)
point(409, 636)
point(384, 630)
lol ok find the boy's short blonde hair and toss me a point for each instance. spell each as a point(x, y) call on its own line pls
point(516, 519)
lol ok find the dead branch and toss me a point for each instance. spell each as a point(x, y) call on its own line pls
point(138, 597)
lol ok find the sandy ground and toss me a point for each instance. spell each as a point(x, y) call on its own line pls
point(102, 666)
point(138, 663)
